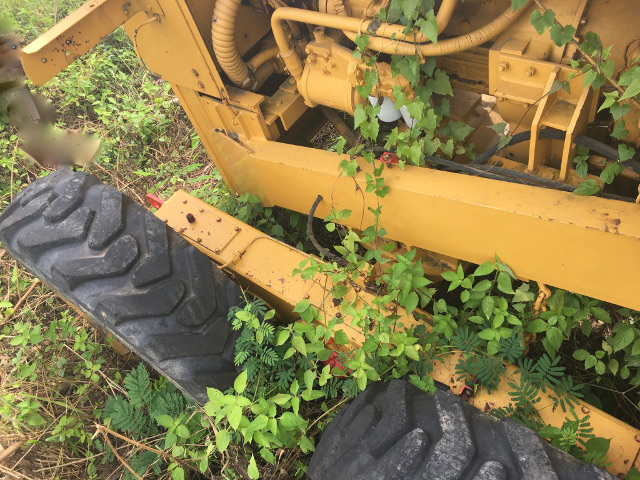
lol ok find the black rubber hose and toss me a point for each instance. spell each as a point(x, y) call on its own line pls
point(323, 251)
point(504, 174)
point(552, 134)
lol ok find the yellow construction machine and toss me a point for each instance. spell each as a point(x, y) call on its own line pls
point(257, 78)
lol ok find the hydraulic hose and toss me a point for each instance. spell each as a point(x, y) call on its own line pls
point(223, 31)
point(513, 176)
point(552, 134)
point(340, 125)
point(380, 38)
point(350, 25)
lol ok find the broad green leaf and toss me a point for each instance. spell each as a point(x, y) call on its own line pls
point(252, 470)
point(340, 337)
point(177, 473)
point(240, 383)
point(517, 4)
point(299, 344)
point(504, 283)
point(411, 302)
point(624, 337)
point(223, 438)
point(541, 22)
point(234, 416)
point(590, 361)
point(537, 326)
point(182, 431)
point(580, 355)
point(625, 152)
point(588, 187)
point(487, 306)
point(429, 27)
point(632, 90)
point(562, 35)
point(484, 269)
point(165, 421)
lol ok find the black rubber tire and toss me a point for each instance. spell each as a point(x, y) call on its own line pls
point(121, 266)
point(397, 432)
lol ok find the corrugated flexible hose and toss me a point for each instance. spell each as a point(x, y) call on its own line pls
point(223, 32)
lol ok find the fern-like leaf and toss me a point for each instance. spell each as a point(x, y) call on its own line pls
point(138, 386)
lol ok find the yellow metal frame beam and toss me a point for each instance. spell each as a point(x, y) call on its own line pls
point(264, 266)
point(587, 245)
point(78, 33)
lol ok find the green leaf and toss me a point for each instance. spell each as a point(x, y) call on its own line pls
point(252, 471)
point(223, 438)
point(624, 337)
point(632, 90)
point(240, 384)
point(283, 336)
point(487, 334)
point(588, 187)
point(484, 269)
point(177, 473)
point(340, 337)
point(411, 302)
point(164, 421)
point(601, 314)
point(580, 355)
point(234, 416)
point(590, 361)
point(441, 84)
point(487, 306)
point(625, 152)
point(429, 27)
point(537, 326)
point(504, 283)
point(518, 4)
point(299, 344)
point(562, 35)
point(541, 22)
point(554, 336)
point(182, 431)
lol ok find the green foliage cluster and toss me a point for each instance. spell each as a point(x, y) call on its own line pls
point(158, 410)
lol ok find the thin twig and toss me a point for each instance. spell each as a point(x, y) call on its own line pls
point(125, 464)
point(103, 430)
point(7, 452)
point(35, 283)
point(14, 474)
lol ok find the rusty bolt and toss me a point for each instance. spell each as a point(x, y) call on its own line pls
point(338, 315)
point(198, 240)
point(184, 201)
point(195, 72)
point(217, 250)
point(583, 21)
point(44, 60)
point(237, 229)
point(637, 438)
point(68, 41)
point(306, 297)
point(190, 218)
point(585, 410)
point(502, 66)
point(218, 219)
point(201, 210)
point(201, 85)
point(530, 72)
